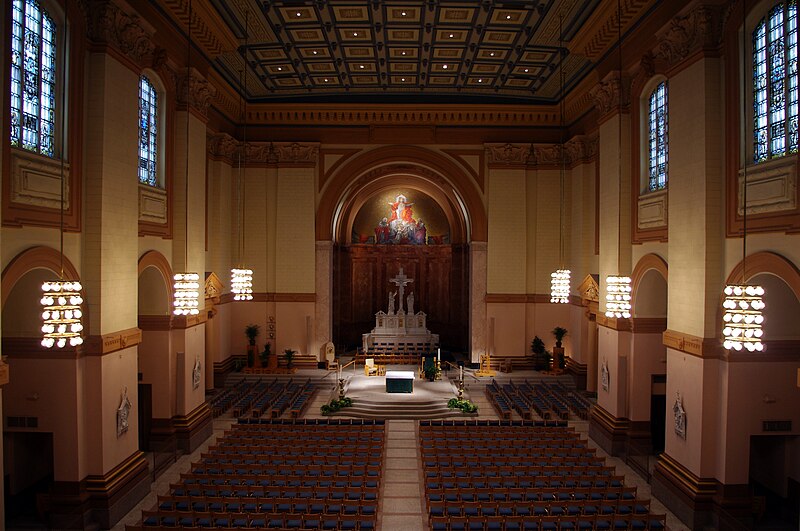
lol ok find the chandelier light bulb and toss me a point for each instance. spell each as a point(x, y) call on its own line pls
point(743, 318)
point(61, 315)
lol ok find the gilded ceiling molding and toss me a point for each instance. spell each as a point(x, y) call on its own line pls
point(699, 29)
point(508, 154)
point(107, 24)
point(600, 32)
point(207, 30)
point(200, 91)
point(610, 95)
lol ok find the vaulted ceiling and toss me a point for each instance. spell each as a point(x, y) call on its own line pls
point(405, 51)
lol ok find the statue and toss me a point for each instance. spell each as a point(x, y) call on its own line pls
point(123, 412)
point(196, 373)
point(680, 416)
point(382, 231)
point(391, 302)
point(411, 303)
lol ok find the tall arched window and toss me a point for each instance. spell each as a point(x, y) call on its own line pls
point(148, 132)
point(658, 138)
point(33, 78)
point(775, 83)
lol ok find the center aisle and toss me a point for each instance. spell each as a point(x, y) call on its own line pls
point(402, 496)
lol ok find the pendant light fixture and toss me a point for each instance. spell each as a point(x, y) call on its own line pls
point(559, 279)
point(61, 299)
point(618, 287)
point(741, 328)
point(241, 276)
point(187, 284)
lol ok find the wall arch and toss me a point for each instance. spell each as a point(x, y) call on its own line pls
point(647, 263)
point(156, 260)
point(434, 172)
point(769, 263)
point(39, 257)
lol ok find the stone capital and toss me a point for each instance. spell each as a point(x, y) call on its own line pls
point(698, 29)
point(108, 24)
point(508, 154)
point(611, 94)
point(194, 90)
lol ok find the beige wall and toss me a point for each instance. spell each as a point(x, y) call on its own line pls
point(507, 248)
point(295, 258)
point(614, 349)
point(648, 357)
point(157, 365)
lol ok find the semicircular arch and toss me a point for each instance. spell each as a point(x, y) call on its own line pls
point(39, 257)
point(156, 260)
point(429, 171)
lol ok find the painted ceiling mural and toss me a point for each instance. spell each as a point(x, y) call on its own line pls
point(401, 216)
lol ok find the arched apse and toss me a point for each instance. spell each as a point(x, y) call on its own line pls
point(409, 166)
point(649, 287)
point(155, 285)
point(22, 289)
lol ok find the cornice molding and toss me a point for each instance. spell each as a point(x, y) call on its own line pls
point(600, 32)
point(508, 155)
point(223, 146)
point(708, 347)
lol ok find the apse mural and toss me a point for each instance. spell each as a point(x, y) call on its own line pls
point(401, 217)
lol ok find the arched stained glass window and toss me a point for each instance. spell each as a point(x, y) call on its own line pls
point(33, 78)
point(148, 132)
point(658, 138)
point(775, 83)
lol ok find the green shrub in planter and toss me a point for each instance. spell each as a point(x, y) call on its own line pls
point(336, 405)
point(464, 405)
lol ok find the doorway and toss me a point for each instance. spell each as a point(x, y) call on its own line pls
point(29, 473)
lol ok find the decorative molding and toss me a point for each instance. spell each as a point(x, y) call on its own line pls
point(36, 180)
point(610, 95)
point(620, 325)
point(153, 205)
point(213, 287)
point(200, 92)
point(582, 149)
point(280, 153)
point(111, 342)
point(652, 210)
point(679, 416)
point(123, 413)
point(222, 146)
point(188, 321)
point(700, 29)
point(681, 477)
point(771, 187)
point(709, 347)
point(648, 325)
point(515, 155)
point(155, 323)
point(599, 33)
point(107, 24)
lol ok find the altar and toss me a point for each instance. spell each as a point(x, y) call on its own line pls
point(400, 332)
point(399, 381)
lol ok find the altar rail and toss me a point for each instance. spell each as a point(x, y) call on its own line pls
point(380, 358)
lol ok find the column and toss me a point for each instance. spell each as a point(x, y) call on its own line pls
point(477, 299)
point(324, 289)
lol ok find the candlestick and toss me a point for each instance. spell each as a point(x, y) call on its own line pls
point(439, 354)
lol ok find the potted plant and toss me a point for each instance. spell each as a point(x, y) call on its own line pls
point(558, 350)
point(541, 359)
point(431, 372)
point(289, 355)
point(252, 331)
point(265, 354)
point(559, 334)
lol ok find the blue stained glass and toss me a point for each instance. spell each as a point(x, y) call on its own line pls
point(33, 78)
point(148, 132)
point(775, 107)
point(658, 138)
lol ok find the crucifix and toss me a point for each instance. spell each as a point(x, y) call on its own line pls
point(401, 281)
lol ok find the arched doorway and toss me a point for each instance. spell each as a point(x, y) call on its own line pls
point(354, 205)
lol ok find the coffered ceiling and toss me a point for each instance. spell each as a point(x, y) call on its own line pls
point(405, 51)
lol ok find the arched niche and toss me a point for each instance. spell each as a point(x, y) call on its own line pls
point(155, 284)
point(649, 287)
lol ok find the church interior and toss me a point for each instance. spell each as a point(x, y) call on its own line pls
point(224, 220)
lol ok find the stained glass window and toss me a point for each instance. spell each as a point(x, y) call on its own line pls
point(775, 83)
point(148, 132)
point(33, 78)
point(658, 147)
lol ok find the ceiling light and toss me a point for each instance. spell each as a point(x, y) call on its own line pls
point(618, 297)
point(279, 69)
point(402, 14)
point(326, 80)
point(491, 54)
point(402, 53)
point(480, 81)
point(242, 284)
point(355, 34)
point(62, 313)
point(314, 52)
point(187, 286)
point(526, 70)
point(508, 17)
point(299, 14)
point(559, 286)
point(361, 66)
point(451, 35)
point(403, 79)
point(444, 67)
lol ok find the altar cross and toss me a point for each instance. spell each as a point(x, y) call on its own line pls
point(401, 280)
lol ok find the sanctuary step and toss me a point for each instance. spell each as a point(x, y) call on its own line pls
point(394, 408)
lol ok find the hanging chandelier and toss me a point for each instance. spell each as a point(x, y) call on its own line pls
point(559, 279)
point(242, 277)
point(61, 299)
point(242, 284)
point(187, 284)
point(742, 318)
point(618, 297)
point(741, 327)
point(62, 314)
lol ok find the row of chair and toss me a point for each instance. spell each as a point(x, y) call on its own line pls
point(157, 519)
point(550, 523)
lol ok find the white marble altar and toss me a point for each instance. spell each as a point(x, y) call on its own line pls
point(400, 332)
